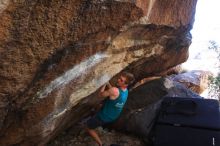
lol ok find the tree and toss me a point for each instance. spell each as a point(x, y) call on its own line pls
point(214, 87)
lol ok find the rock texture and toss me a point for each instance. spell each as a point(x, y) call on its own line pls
point(56, 54)
point(196, 80)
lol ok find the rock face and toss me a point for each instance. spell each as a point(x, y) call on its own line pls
point(56, 54)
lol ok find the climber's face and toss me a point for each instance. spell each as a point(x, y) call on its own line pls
point(122, 81)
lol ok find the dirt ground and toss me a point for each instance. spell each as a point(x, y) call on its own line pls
point(81, 138)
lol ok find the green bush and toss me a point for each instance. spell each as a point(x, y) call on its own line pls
point(214, 87)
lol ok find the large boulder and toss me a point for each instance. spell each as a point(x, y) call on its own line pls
point(196, 80)
point(56, 54)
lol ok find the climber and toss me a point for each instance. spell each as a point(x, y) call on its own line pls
point(113, 104)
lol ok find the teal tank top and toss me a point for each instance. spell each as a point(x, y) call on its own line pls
point(112, 108)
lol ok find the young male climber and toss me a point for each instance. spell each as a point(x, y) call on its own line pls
point(113, 104)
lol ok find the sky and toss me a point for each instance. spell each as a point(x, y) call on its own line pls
point(206, 27)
